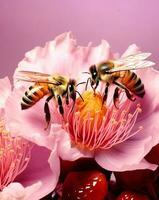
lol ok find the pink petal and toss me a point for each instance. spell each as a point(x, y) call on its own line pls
point(64, 147)
point(64, 56)
point(28, 123)
point(5, 90)
point(150, 103)
point(150, 108)
point(100, 53)
point(125, 156)
point(30, 191)
point(39, 169)
point(15, 191)
point(150, 128)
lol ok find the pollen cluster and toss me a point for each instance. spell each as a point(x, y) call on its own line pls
point(91, 105)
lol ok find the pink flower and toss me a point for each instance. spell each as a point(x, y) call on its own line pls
point(118, 142)
point(20, 176)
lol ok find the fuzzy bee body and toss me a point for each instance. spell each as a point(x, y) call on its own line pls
point(54, 86)
point(119, 72)
point(132, 82)
point(128, 79)
point(33, 95)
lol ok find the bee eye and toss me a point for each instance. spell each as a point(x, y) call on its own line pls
point(105, 67)
point(94, 73)
point(70, 87)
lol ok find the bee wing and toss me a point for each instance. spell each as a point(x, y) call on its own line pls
point(30, 76)
point(134, 57)
point(133, 62)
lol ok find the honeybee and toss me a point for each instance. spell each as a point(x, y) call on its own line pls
point(54, 86)
point(118, 72)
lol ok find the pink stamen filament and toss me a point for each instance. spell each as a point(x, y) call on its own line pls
point(116, 127)
point(15, 153)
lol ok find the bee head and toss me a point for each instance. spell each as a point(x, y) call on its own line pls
point(94, 73)
point(71, 89)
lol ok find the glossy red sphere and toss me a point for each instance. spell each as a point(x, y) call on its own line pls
point(85, 185)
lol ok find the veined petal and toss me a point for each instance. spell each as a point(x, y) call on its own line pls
point(150, 103)
point(63, 56)
point(150, 107)
point(40, 169)
point(30, 123)
point(64, 147)
point(126, 156)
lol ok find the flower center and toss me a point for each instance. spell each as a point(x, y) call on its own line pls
point(92, 106)
point(15, 153)
point(97, 126)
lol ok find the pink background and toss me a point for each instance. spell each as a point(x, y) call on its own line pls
point(28, 23)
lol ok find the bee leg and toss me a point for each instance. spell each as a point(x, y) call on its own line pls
point(105, 94)
point(116, 97)
point(97, 83)
point(92, 83)
point(59, 100)
point(47, 111)
point(89, 79)
point(94, 88)
point(67, 99)
point(128, 94)
point(73, 97)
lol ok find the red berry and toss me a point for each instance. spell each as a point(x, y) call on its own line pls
point(82, 164)
point(153, 155)
point(128, 195)
point(85, 185)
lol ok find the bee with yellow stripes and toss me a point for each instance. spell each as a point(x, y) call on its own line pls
point(118, 72)
point(54, 86)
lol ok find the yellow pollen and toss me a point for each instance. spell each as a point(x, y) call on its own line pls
point(139, 108)
point(113, 121)
point(91, 106)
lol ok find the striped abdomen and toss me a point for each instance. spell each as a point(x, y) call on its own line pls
point(133, 83)
point(33, 95)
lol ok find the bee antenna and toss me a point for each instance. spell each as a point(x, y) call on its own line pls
point(85, 73)
point(79, 95)
point(80, 83)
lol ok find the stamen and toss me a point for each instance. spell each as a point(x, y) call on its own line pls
point(93, 128)
point(15, 153)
